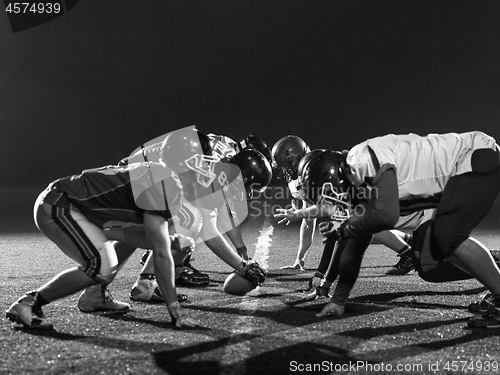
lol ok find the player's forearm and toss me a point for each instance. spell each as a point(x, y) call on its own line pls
point(165, 274)
point(156, 228)
point(219, 246)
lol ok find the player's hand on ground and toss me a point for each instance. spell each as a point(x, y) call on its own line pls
point(287, 215)
point(329, 231)
point(179, 316)
point(332, 309)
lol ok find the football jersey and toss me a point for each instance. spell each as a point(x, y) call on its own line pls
point(423, 164)
point(222, 147)
point(151, 153)
point(117, 196)
point(296, 190)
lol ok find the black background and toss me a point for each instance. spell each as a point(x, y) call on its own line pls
point(86, 89)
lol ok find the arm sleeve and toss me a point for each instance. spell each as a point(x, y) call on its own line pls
point(382, 212)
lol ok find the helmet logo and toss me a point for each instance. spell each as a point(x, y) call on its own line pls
point(340, 202)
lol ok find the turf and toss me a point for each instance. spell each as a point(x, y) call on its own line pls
point(392, 324)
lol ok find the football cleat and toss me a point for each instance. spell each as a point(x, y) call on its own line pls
point(495, 253)
point(298, 265)
point(186, 277)
point(99, 298)
point(196, 274)
point(402, 267)
point(489, 319)
point(24, 312)
point(484, 322)
point(483, 306)
point(147, 290)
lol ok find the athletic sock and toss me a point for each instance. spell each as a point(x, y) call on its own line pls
point(39, 300)
point(405, 251)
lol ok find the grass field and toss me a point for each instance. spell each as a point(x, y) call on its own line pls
point(392, 324)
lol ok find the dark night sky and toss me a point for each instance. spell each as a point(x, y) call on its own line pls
point(87, 88)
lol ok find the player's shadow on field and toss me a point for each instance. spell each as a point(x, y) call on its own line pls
point(419, 348)
point(294, 313)
point(283, 360)
point(391, 297)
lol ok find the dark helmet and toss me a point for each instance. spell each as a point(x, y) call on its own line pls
point(323, 176)
point(286, 154)
point(256, 143)
point(255, 169)
point(189, 149)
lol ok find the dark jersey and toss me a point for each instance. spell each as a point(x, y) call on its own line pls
point(114, 196)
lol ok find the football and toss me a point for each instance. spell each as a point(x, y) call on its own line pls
point(237, 284)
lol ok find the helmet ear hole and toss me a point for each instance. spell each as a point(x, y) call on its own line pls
point(286, 155)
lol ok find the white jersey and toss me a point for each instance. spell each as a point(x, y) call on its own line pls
point(222, 147)
point(423, 165)
point(296, 190)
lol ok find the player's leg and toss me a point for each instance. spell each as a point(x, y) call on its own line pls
point(188, 222)
point(346, 266)
point(88, 247)
point(306, 235)
point(99, 297)
point(398, 241)
point(466, 201)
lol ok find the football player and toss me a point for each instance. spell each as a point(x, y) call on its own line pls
point(256, 172)
point(250, 155)
point(457, 175)
point(132, 204)
point(287, 153)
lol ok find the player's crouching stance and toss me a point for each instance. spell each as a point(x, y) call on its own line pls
point(84, 214)
point(59, 217)
point(457, 175)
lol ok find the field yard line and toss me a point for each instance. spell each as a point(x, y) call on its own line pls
point(235, 353)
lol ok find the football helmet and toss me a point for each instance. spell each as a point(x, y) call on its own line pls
point(188, 149)
point(286, 154)
point(323, 175)
point(255, 170)
point(256, 143)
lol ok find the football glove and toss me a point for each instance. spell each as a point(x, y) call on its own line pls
point(315, 281)
point(329, 230)
point(254, 273)
point(318, 293)
point(179, 316)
